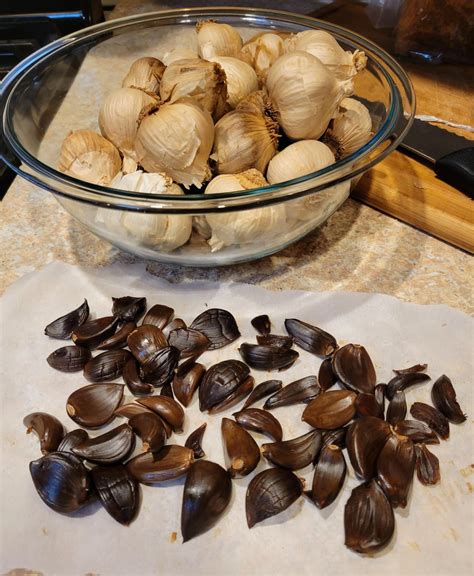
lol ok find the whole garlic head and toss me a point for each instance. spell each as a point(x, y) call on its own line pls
point(262, 51)
point(350, 130)
point(216, 39)
point(305, 94)
point(299, 159)
point(241, 78)
point(319, 43)
point(119, 116)
point(177, 139)
point(145, 74)
point(204, 81)
point(247, 226)
point(88, 156)
point(178, 54)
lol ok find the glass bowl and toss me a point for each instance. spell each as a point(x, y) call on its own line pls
point(60, 88)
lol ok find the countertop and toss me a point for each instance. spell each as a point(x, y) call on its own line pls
point(358, 249)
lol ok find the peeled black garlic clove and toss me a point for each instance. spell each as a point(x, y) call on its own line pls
point(132, 379)
point(326, 376)
point(330, 410)
point(94, 405)
point(106, 366)
point(189, 342)
point(234, 397)
point(185, 385)
point(444, 398)
point(411, 369)
point(354, 368)
point(369, 521)
point(207, 492)
point(296, 453)
point(167, 408)
point(62, 481)
point(145, 341)
point(167, 390)
point(218, 325)
point(220, 381)
point(111, 447)
point(131, 409)
point(336, 437)
point(69, 358)
point(365, 439)
point(261, 390)
point(259, 421)
point(275, 340)
point(72, 439)
point(128, 308)
point(329, 476)
point(395, 469)
point(311, 338)
point(271, 492)
point(63, 327)
point(262, 324)
point(397, 408)
point(427, 466)
point(417, 431)
point(194, 441)
point(242, 453)
point(404, 381)
point(367, 405)
point(432, 417)
point(149, 427)
point(119, 339)
point(170, 462)
point(158, 315)
point(48, 428)
point(94, 331)
point(159, 369)
point(300, 391)
point(267, 357)
point(118, 492)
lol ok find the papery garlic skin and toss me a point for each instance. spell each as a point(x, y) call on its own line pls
point(247, 226)
point(145, 74)
point(299, 159)
point(177, 139)
point(305, 94)
point(202, 80)
point(350, 130)
point(262, 51)
point(215, 39)
point(88, 156)
point(119, 117)
point(343, 64)
point(178, 54)
point(241, 78)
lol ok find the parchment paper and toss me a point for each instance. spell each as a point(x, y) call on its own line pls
point(433, 535)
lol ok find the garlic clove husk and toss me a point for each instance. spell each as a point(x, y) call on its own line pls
point(350, 130)
point(177, 139)
point(88, 156)
point(178, 54)
point(119, 117)
point(204, 81)
point(246, 137)
point(343, 64)
point(299, 159)
point(241, 78)
point(217, 39)
point(305, 94)
point(145, 74)
point(262, 51)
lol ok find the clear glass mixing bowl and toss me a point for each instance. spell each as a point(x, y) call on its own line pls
point(61, 87)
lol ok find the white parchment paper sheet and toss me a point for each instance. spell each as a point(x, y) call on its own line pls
point(434, 535)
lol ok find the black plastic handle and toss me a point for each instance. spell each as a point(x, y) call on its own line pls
point(457, 169)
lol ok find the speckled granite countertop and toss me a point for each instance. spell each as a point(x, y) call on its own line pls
point(358, 249)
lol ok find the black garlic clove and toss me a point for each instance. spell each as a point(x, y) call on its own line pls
point(336, 437)
point(186, 384)
point(404, 381)
point(132, 379)
point(221, 380)
point(427, 466)
point(296, 453)
point(111, 447)
point(175, 324)
point(94, 405)
point(118, 492)
point(326, 375)
point(145, 341)
point(167, 408)
point(128, 308)
point(189, 342)
point(330, 410)
point(119, 339)
point(69, 358)
point(63, 327)
point(267, 357)
point(241, 451)
point(397, 408)
point(170, 462)
point(48, 428)
point(91, 333)
point(379, 393)
point(167, 390)
point(300, 391)
point(259, 421)
point(276, 340)
point(329, 476)
point(234, 397)
point(159, 369)
point(365, 439)
point(106, 366)
point(311, 338)
point(158, 315)
point(395, 469)
point(194, 441)
point(432, 417)
point(149, 427)
point(131, 409)
point(354, 368)
point(261, 390)
point(262, 324)
point(443, 396)
point(218, 325)
point(72, 439)
point(417, 431)
point(367, 405)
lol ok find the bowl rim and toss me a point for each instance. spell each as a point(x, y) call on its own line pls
point(393, 129)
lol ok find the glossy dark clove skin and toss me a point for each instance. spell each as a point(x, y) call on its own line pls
point(443, 396)
point(91, 333)
point(395, 469)
point(365, 439)
point(404, 381)
point(132, 379)
point(132, 409)
point(184, 386)
point(194, 441)
point(330, 410)
point(261, 390)
point(109, 448)
point(235, 397)
point(170, 462)
point(118, 492)
point(72, 439)
point(427, 466)
point(189, 342)
point(63, 327)
point(379, 393)
point(167, 408)
point(106, 366)
point(296, 453)
point(275, 340)
point(260, 421)
point(417, 431)
point(119, 339)
point(220, 381)
point(69, 358)
point(48, 428)
point(336, 437)
point(242, 453)
point(311, 338)
point(267, 357)
point(94, 405)
point(128, 308)
point(207, 493)
point(300, 391)
point(354, 368)
point(367, 405)
point(329, 476)
point(262, 324)
point(218, 325)
point(432, 417)
point(158, 315)
point(145, 341)
point(159, 369)
point(271, 492)
point(369, 521)
point(397, 408)
point(149, 427)
point(326, 375)
point(62, 481)
point(412, 369)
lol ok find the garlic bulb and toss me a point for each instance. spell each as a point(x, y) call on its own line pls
point(247, 226)
point(262, 51)
point(119, 116)
point(305, 94)
point(343, 65)
point(216, 39)
point(241, 78)
point(350, 130)
point(178, 54)
point(204, 81)
point(177, 139)
point(246, 137)
point(299, 159)
point(88, 156)
point(145, 74)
